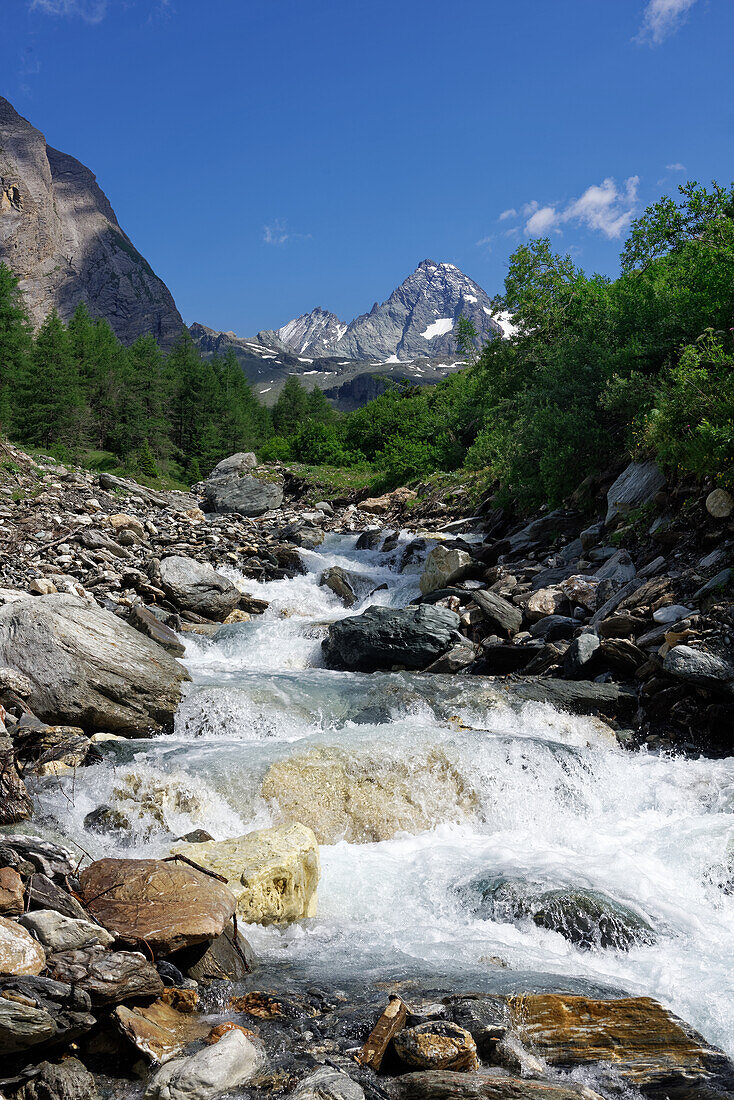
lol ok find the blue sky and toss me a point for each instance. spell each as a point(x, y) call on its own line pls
point(267, 156)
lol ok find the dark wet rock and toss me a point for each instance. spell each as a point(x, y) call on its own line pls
point(455, 659)
point(636, 485)
point(498, 612)
point(194, 586)
point(228, 957)
point(247, 495)
point(580, 697)
point(46, 856)
point(696, 666)
point(41, 1010)
point(580, 655)
point(147, 623)
point(109, 977)
point(44, 893)
point(484, 1017)
point(500, 660)
point(369, 539)
point(587, 918)
point(88, 668)
point(448, 1085)
point(342, 583)
point(66, 1080)
point(383, 637)
point(552, 627)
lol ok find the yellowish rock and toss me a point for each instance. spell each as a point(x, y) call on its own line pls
point(19, 952)
point(238, 616)
point(443, 566)
point(121, 521)
point(360, 799)
point(273, 873)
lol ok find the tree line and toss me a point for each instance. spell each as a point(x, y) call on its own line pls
point(75, 390)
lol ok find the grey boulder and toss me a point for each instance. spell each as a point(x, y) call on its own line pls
point(109, 977)
point(235, 464)
point(195, 586)
point(635, 486)
point(66, 1080)
point(88, 668)
point(699, 667)
point(226, 1066)
point(383, 637)
point(248, 495)
point(55, 932)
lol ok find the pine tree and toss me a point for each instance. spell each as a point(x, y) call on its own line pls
point(291, 408)
point(146, 461)
point(15, 349)
point(50, 394)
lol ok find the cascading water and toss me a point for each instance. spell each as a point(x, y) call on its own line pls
point(418, 786)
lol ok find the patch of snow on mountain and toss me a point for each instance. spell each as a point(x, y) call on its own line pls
point(470, 298)
point(438, 328)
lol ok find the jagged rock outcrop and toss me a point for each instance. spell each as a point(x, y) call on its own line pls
point(60, 236)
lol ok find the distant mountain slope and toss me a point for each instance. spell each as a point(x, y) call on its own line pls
point(408, 338)
point(60, 236)
point(417, 320)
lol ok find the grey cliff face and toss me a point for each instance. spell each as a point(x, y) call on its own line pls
point(60, 236)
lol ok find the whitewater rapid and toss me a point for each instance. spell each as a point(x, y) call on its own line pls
point(519, 791)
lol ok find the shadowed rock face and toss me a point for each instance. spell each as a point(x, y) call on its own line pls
point(60, 236)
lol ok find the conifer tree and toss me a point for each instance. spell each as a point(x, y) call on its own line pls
point(146, 461)
point(291, 408)
point(50, 395)
point(15, 348)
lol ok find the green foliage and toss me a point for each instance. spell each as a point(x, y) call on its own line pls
point(291, 408)
point(146, 461)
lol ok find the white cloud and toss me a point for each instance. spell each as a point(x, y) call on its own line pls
point(278, 233)
point(511, 213)
point(485, 242)
point(91, 11)
point(603, 207)
point(675, 167)
point(539, 223)
point(662, 18)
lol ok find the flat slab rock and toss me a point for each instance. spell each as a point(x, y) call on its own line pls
point(455, 1085)
point(635, 1035)
point(165, 905)
point(40, 1010)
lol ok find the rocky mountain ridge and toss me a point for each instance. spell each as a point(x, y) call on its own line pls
point(61, 238)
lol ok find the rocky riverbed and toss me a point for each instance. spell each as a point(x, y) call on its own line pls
point(302, 799)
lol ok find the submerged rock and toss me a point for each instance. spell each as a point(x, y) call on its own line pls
point(383, 637)
point(587, 918)
point(88, 668)
point(359, 798)
point(273, 873)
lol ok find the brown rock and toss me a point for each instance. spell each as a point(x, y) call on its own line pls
point(635, 1035)
point(438, 1044)
point(448, 1085)
point(11, 892)
point(389, 1024)
point(165, 905)
point(221, 1030)
point(160, 1030)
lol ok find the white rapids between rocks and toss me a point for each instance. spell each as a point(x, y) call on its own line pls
point(555, 800)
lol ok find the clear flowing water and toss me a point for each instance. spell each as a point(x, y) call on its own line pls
point(474, 786)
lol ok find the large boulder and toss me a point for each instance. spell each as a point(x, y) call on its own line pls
point(443, 566)
point(235, 464)
point(436, 1044)
point(248, 495)
point(223, 1067)
point(273, 873)
point(362, 798)
point(88, 668)
point(699, 667)
point(635, 487)
point(195, 586)
point(163, 905)
point(383, 637)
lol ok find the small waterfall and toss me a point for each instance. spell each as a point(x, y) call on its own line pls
point(421, 786)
